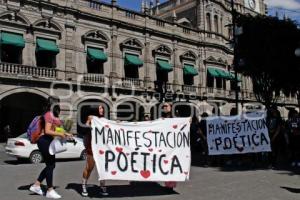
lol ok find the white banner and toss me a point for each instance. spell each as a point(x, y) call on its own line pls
point(238, 134)
point(142, 151)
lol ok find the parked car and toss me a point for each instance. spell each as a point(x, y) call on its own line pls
point(21, 148)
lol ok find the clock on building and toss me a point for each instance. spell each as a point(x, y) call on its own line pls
point(252, 4)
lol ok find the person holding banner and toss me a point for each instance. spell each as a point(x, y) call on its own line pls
point(167, 113)
point(90, 162)
point(50, 121)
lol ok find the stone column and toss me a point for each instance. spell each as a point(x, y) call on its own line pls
point(70, 45)
point(147, 64)
point(200, 15)
point(177, 66)
point(28, 54)
point(114, 54)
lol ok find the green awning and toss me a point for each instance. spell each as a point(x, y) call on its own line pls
point(13, 39)
point(189, 70)
point(164, 65)
point(233, 77)
point(224, 74)
point(219, 73)
point(96, 54)
point(47, 45)
point(133, 60)
point(213, 72)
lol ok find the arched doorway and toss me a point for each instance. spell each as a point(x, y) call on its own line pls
point(130, 111)
point(16, 112)
point(185, 109)
point(86, 108)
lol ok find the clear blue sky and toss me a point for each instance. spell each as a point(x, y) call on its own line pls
point(130, 4)
point(290, 8)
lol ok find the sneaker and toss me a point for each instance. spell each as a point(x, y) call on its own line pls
point(52, 194)
point(36, 189)
point(294, 164)
point(84, 191)
point(103, 191)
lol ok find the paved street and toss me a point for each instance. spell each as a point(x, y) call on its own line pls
point(205, 183)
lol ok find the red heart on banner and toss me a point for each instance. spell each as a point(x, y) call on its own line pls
point(150, 149)
point(175, 126)
point(101, 152)
point(145, 173)
point(121, 129)
point(113, 172)
point(160, 150)
point(127, 154)
point(119, 149)
point(106, 126)
point(240, 149)
point(186, 173)
point(166, 161)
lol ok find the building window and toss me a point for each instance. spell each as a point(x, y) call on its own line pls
point(188, 80)
point(12, 45)
point(221, 24)
point(46, 51)
point(163, 67)
point(189, 71)
point(95, 60)
point(208, 22)
point(132, 62)
point(219, 82)
point(210, 81)
point(230, 32)
point(216, 24)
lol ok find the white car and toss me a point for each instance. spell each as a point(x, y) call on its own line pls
point(21, 147)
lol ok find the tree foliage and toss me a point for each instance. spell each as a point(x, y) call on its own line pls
point(267, 49)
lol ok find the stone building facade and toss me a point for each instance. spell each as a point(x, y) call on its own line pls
point(85, 51)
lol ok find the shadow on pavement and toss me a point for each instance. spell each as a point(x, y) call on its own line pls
point(16, 162)
point(135, 189)
point(26, 161)
point(293, 190)
point(26, 188)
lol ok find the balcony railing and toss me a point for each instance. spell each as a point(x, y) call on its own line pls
point(160, 85)
point(131, 82)
point(189, 89)
point(29, 71)
point(210, 90)
point(94, 78)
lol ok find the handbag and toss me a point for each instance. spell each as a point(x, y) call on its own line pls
point(57, 145)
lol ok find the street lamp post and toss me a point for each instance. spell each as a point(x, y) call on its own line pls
point(297, 54)
point(235, 63)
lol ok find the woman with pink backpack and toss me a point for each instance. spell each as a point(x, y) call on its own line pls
point(49, 122)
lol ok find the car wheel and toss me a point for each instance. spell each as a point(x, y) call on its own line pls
point(83, 155)
point(36, 157)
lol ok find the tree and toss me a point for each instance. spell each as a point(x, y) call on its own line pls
point(267, 50)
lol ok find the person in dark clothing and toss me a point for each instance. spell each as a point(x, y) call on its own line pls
point(275, 123)
point(293, 130)
point(195, 135)
point(50, 121)
point(203, 136)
